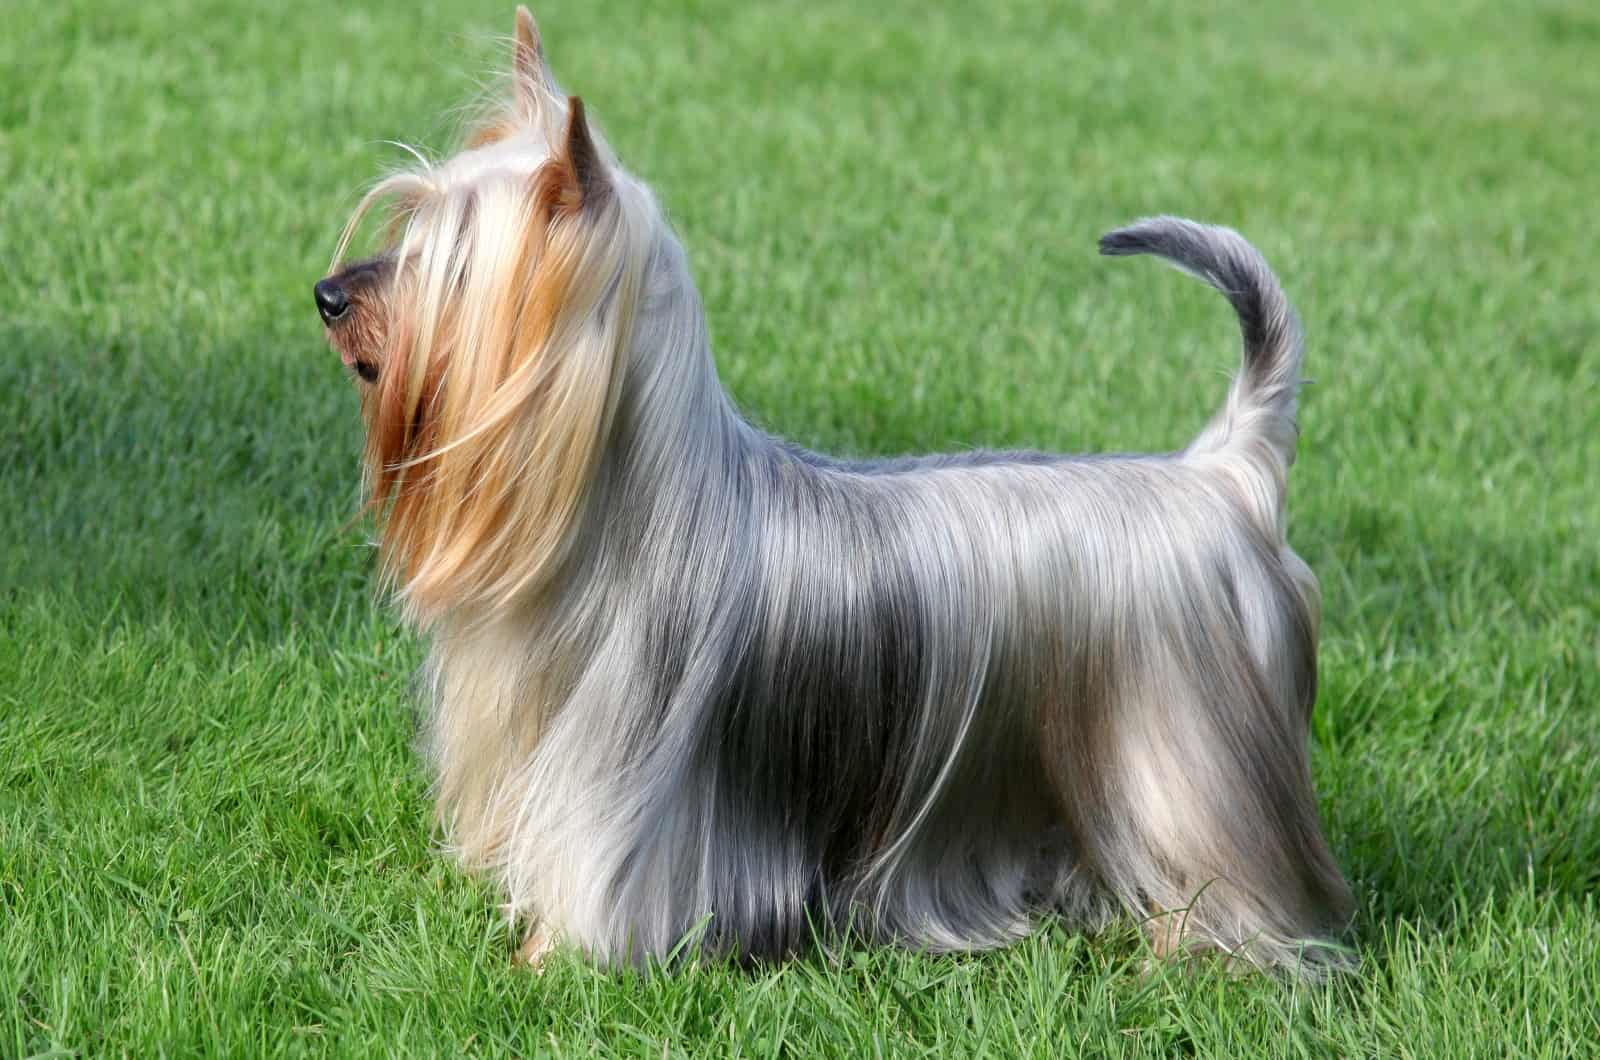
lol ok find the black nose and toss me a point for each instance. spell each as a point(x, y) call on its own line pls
point(331, 301)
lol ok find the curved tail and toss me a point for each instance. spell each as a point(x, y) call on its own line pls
point(1257, 423)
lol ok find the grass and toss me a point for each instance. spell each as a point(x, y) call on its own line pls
point(213, 831)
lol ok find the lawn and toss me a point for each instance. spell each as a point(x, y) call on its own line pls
point(214, 834)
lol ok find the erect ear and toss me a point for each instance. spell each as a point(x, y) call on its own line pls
point(575, 176)
point(528, 64)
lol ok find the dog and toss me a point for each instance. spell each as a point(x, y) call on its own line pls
point(692, 688)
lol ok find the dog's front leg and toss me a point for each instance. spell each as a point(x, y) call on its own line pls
point(540, 942)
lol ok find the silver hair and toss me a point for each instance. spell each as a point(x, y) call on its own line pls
point(751, 695)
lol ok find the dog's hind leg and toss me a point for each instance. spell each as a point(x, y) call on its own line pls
point(1184, 778)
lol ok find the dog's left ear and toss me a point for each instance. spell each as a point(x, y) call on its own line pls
point(575, 177)
point(531, 72)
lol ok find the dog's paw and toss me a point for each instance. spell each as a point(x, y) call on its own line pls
point(539, 944)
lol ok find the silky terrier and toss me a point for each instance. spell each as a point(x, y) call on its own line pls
point(691, 686)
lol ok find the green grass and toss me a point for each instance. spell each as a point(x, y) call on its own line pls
point(213, 831)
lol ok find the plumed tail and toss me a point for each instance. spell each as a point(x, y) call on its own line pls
point(1255, 429)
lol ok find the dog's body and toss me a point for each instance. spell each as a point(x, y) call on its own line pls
point(684, 676)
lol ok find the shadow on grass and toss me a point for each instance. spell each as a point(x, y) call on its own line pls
point(211, 491)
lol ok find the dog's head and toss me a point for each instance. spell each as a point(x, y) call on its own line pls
point(489, 335)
